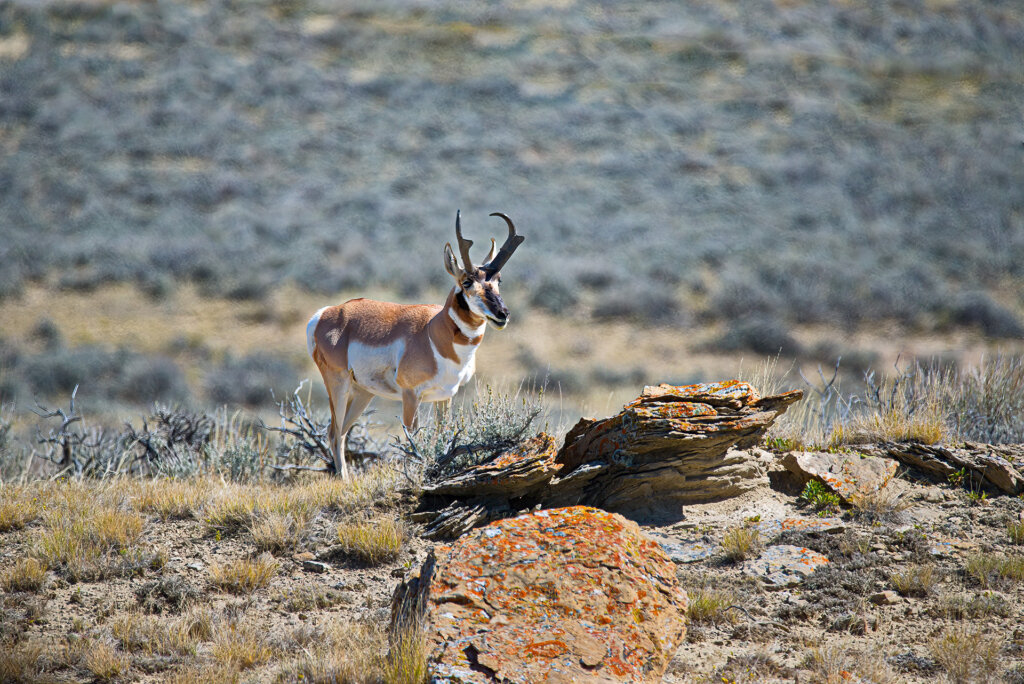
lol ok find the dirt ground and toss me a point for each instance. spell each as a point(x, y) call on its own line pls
point(846, 621)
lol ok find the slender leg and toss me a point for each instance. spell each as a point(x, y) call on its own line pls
point(338, 388)
point(358, 400)
point(410, 402)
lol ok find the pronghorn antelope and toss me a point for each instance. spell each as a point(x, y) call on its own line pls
point(415, 352)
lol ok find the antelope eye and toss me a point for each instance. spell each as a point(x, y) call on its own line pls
point(466, 284)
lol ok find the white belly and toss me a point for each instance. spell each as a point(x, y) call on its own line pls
point(375, 369)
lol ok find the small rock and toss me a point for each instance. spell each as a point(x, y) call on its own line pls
point(398, 572)
point(784, 565)
point(884, 598)
point(315, 566)
point(195, 566)
point(686, 552)
point(304, 556)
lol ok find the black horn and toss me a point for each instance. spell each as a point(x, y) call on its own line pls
point(511, 243)
point(464, 244)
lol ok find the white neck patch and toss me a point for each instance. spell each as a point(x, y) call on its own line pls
point(464, 327)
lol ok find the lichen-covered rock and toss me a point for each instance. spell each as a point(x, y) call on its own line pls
point(784, 565)
point(847, 474)
point(561, 595)
point(669, 447)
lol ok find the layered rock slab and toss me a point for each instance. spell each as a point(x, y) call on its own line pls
point(568, 594)
point(997, 465)
point(672, 445)
point(669, 447)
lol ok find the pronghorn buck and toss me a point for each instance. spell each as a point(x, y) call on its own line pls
point(413, 352)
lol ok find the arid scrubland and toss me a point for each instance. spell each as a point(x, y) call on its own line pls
point(225, 572)
point(703, 185)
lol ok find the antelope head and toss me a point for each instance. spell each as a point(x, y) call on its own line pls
point(478, 285)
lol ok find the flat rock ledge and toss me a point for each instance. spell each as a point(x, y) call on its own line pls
point(1000, 466)
point(560, 595)
point(669, 447)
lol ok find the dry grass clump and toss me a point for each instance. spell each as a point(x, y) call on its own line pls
point(26, 574)
point(278, 533)
point(897, 423)
point(915, 580)
point(341, 652)
point(373, 541)
point(103, 661)
point(1015, 531)
point(406, 662)
point(242, 645)
point(967, 654)
point(307, 597)
point(711, 606)
point(972, 607)
point(80, 541)
point(245, 575)
point(837, 663)
point(885, 503)
point(231, 509)
point(173, 499)
point(741, 541)
point(21, 662)
point(152, 635)
point(17, 508)
point(991, 569)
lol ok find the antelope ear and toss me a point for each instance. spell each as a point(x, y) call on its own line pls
point(492, 253)
point(450, 263)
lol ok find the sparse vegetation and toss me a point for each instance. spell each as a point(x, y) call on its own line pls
point(884, 503)
point(823, 500)
point(709, 605)
point(741, 541)
point(1015, 531)
point(967, 654)
point(26, 574)
point(245, 575)
point(373, 541)
point(915, 580)
point(466, 435)
point(994, 569)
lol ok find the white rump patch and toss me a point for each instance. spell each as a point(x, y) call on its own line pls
point(311, 329)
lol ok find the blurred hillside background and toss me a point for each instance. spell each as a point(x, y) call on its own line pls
point(183, 183)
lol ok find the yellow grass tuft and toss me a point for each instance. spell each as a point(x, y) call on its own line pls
point(967, 654)
point(245, 575)
point(231, 509)
point(343, 652)
point(104, 661)
point(21, 662)
point(884, 503)
point(17, 508)
point(26, 574)
point(373, 541)
point(406, 662)
point(915, 580)
point(741, 542)
point(711, 606)
point(277, 533)
point(242, 645)
point(173, 499)
point(152, 635)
